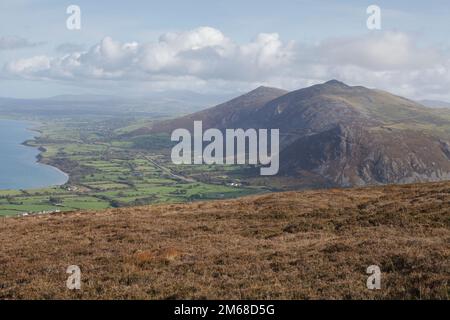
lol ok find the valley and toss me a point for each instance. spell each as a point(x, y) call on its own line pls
point(331, 135)
point(107, 170)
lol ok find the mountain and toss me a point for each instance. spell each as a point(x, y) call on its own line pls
point(292, 245)
point(235, 112)
point(339, 135)
point(435, 103)
point(357, 136)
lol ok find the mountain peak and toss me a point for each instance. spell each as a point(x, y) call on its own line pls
point(265, 90)
point(336, 83)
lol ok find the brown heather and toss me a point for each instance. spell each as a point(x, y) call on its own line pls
point(294, 245)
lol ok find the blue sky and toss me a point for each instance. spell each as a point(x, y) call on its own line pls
point(245, 43)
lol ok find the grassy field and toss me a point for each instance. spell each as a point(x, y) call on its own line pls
point(294, 245)
point(107, 170)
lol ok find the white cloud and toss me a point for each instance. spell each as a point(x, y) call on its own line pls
point(205, 59)
point(378, 52)
point(29, 66)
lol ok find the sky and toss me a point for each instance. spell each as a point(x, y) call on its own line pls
point(133, 48)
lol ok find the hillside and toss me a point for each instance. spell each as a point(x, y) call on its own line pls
point(339, 135)
point(232, 113)
point(294, 245)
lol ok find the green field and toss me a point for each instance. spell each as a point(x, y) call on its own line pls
point(109, 170)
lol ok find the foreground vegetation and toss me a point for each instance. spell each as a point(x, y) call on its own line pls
point(295, 245)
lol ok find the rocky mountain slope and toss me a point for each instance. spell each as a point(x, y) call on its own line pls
point(338, 134)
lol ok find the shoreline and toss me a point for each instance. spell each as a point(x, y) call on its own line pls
point(41, 150)
point(33, 127)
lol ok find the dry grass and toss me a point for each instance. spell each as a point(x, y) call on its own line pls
point(295, 245)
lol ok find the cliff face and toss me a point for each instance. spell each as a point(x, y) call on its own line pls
point(349, 156)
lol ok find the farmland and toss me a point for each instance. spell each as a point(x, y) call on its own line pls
point(107, 170)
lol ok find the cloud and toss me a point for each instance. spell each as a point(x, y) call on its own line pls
point(206, 59)
point(378, 52)
point(204, 53)
point(11, 43)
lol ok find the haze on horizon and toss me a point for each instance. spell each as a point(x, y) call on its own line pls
point(222, 47)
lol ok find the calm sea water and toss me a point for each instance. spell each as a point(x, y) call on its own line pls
point(19, 168)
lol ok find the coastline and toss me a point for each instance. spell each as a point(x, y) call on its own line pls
point(42, 149)
point(33, 127)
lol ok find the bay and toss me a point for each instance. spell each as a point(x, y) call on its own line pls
point(19, 168)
